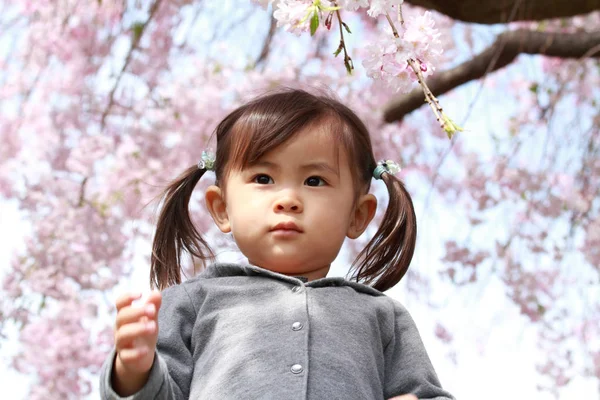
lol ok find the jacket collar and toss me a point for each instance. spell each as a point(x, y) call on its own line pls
point(228, 269)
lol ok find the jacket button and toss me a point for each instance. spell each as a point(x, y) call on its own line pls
point(297, 368)
point(296, 326)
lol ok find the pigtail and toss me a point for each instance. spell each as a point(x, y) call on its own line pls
point(385, 259)
point(175, 232)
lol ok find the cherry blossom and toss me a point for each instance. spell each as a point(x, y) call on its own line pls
point(294, 15)
point(379, 7)
point(387, 58)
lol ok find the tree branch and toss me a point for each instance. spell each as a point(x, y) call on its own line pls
point(266, 48)
point(505, 49)
point(137, 35)
point(494, 11)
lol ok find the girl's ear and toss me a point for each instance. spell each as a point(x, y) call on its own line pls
point(363, 214)
point(215, 202)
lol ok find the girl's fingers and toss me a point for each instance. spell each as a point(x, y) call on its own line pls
point(155, 298)
point(136, 329)
point(128, 356)
point(131, 314)
point(126, 300)
point(125, 335)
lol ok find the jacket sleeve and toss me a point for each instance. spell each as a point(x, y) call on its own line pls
point(171, 373)
point(407, 365)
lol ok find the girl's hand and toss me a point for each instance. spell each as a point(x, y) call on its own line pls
point(405, 397)
point(136, 331)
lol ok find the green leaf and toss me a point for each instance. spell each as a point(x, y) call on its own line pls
point(314, 23)
point(339, 49)
point(346, 26)
point(138, 30)
point(349, 65)
point(534, 87)
point(450, 126)
point(541, 309)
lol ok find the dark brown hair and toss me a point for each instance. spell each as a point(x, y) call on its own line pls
point(253, 130)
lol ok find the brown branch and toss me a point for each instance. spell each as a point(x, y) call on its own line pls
point(494, 11)
point(135, 42)
point(82, 192)
point(266, 48)
point(347, 60)
point(505, 49)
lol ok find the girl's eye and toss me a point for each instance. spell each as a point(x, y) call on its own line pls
point(262, 179)
point(315, 181)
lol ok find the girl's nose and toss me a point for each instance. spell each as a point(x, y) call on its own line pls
point(288, 204)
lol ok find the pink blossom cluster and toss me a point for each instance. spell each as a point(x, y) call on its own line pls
point(442, 333)
point(533, 292)
point(60, 349)
point(293, 16)
point(294, 11)
point(387, 57)
point(468, 259)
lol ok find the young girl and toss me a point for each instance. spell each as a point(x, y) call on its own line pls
point(293, 172)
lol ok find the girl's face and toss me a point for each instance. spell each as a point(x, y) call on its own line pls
point(291, 211)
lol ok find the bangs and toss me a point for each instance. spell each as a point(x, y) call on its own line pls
point(256, 133)
point(267, 122)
